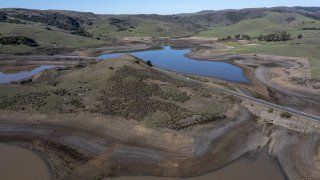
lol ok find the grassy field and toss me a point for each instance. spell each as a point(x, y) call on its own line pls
point(45, 38)
point(20, 49)
point(121, 88)
point(271, 23)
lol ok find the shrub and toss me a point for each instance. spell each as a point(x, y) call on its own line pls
point(285, 115)
point(149, 63)
point(81, 32)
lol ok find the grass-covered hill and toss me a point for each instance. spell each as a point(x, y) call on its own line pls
point(271, 22)
point(123, 88)
point(295, 21)
point(54, 30)
point(71, 30)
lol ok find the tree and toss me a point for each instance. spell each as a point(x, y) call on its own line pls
point(246, 37)
point(237, 37)
point(3, 16)
point(260, 37)
point(288, 36)
point(300, 36)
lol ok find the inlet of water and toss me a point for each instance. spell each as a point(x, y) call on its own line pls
point(9, 77)
point(175, 60)
point(17, 163)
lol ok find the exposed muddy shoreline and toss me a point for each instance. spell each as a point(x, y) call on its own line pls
point(76, 155)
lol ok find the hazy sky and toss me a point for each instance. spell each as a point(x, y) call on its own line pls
point(150, 6)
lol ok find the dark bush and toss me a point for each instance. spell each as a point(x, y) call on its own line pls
point(149, 63)
point(26, 81)
point(17, 40)
point(81, 32)
point(285, 115)
point(3, 17)
point(311, 28)
point(121, 24)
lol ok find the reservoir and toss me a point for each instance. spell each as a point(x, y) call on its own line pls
point(175, 60)
point(17, 163)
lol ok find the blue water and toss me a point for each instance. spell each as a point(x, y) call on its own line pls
point(6, 78)
point(174, 60)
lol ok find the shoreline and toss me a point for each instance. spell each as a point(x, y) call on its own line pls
point(170, 151)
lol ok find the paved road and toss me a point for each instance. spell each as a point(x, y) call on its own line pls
point(243, 96)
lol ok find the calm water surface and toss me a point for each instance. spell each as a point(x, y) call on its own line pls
point(9, 77)
point(176, 60)
point(20, 164)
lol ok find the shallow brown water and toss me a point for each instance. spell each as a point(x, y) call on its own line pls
point(262, 168)
point(21, 164)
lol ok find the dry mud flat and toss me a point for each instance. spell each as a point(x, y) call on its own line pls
point(92, 147)
point(81, 146)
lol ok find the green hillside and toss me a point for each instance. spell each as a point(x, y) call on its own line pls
point(293, 23)
point(45, 38)
point(138, 26)
point(273, 22)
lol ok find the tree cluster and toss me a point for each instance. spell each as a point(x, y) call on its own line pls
point(59, 20)
point(242, 37)
point(3, 17)
point(121, 24)
point(279, 36)
point(310, 28)
point(236, 37)
point(285, 115)
point(17, 40)
point(81, 32)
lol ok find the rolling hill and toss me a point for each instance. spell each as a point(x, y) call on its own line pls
point(55, 30)
point(270, 23)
